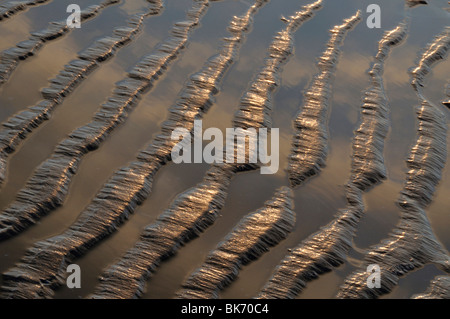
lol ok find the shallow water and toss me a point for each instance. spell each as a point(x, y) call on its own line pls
point(316, 202)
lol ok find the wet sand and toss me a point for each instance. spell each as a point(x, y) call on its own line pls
point(130, 143)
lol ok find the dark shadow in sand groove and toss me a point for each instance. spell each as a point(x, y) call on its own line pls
point(446, 102)
point(413, 3)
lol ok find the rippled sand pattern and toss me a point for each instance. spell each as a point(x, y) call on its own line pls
point(87, 176)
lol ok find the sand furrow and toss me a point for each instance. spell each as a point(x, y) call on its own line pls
point(328, 248)
point(250, 239)
point(439, 289)
point(12, 8)
point(10, 58)
point(198, 210)
point(310, 142)
point(412, 243)
point(130, 185)
point(19, 126)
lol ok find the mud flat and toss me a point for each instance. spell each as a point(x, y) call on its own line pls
point(12, 8)
point(328, 248)
point(10, 58)
point(412, 243)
